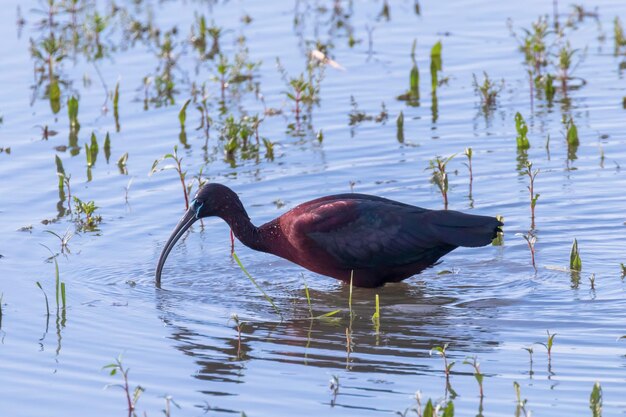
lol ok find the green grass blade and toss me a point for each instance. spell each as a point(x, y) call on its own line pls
point(46, 298)
point(267, 297)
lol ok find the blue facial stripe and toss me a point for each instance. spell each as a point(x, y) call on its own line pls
point(198, 210)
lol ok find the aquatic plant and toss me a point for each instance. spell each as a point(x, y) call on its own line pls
point(572, 134)
point(72, 113)
point(310, 305)
point(440, 176)
point(477, 374)
point(546, 84)
point(439, 409)
point(357, 116)
point(548, 345)
point(107, 147)
point(64, 240)
point(131, 398)
point(531, 189)
point(592, 281)
point(575, 262)
point(177, 167)
point(45, 297)
point(400, 127)
point(469, 154)
point(64, 179)
point(267, 297)
point(442, 351)
point(522, 132)
point(488, 91)
point(90, 221)
point(412, 96)
point(169, 401)
point(530, 351)
point(623, 268)
point(520, 405)
point(595, 400)
point(116, 106)
point(350, 296)
point(534, 44)
point(301, 91)
point(564, 65)
point(121, 164)
point(182, 114)
point(530, 239)
point(435, 65)
point(92, 150)
point(239, 326)
point(618, 35)
point(376, 315)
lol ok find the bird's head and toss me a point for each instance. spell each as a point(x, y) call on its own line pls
point(210, 200)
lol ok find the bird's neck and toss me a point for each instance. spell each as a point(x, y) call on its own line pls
point(245, 231)
point(235, 215)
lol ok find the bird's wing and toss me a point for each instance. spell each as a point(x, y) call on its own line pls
point(363, 233)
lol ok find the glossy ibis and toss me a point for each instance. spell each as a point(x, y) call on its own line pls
point(380, 240)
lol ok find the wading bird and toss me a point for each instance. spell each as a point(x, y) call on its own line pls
point(375, 239)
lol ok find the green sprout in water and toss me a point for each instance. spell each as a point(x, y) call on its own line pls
point(64, 240)
point(46, 299)
point(72, 112)
point(177, 166)
point(548, 345)
point(477, 374)
point(116, 108)
point(90, 221)
point(400, 127)
point(447, 366)
point(121, 164)
point(595, 400)
point(310, 305)
point(522, 132)
point(412, 97)
point(531, 189)
point(575, 262)
point(435, 65)
point(530, 239)
point(239, 326)
point(267, 297)
point(107, 147)
point(168, 406)
point(533, 45)
point(520, 404)
point(572, 138)
point(131, 398)
point(623, 268)
point(565, 56)
point(530, 351)
point(620, 38)
point(469, 154)
point(440, 176)
point(376, 316)
point(488, 91)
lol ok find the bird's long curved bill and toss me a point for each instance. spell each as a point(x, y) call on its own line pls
point(188, 219)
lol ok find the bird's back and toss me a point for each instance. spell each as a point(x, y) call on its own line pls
point(379, 239)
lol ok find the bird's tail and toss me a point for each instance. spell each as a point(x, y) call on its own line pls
point(460, 229)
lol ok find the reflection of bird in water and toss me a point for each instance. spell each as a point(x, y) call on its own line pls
point(375, 239)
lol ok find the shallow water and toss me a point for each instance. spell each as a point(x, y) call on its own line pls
point(181, 340)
